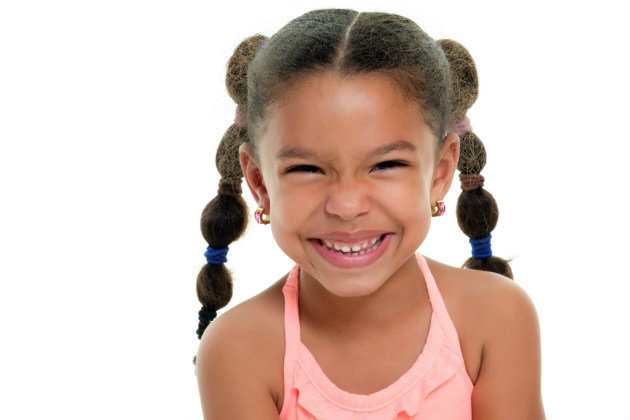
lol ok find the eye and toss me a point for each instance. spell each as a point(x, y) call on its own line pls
point(391, 163)
point(301, 168)
point(313, 169)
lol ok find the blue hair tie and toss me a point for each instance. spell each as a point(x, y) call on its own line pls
point(481, 247)
point(216, 256)
point(262, 43)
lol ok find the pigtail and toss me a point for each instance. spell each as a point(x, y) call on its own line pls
point(224, 219)
point(477, 210)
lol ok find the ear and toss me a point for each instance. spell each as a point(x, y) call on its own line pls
point(448, 157)
point(253, 175)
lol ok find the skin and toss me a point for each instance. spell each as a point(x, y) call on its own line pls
point(344, 190)
point(368, 314)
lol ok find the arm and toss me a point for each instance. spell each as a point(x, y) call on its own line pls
point(509, 382)
point(229, 375)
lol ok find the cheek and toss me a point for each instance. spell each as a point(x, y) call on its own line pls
point(292, 196)
point(405, 198)
point(408, 206)
point(292, 205)
point(409, 203)
point(291, 209)
point(409, 193)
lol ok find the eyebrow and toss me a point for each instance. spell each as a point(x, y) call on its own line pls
point(297, 152)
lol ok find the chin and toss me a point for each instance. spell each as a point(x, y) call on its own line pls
point(348, 288)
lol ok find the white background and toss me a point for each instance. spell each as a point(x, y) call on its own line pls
point(110, 116)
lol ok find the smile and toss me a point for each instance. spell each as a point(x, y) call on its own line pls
point(347, 257)
point(358, 249)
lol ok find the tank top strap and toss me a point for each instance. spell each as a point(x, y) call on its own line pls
point(291, 315)
point(309, 393)
point(291, 319)
point(437, 302)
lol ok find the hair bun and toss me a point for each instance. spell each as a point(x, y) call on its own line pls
point(472, 154)
point(464, 77)
point(236, 77)
point(227, 156)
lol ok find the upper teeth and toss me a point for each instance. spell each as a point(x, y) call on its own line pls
point(355, 247)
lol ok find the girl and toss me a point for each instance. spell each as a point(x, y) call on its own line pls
point(348, 131)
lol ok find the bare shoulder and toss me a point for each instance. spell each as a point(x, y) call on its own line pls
point(504, 322)
point(497, 299)
point(237, 357)
point(480, 281)
point(484, 308)
point(485, 293)
point(470, 296)
point(256, 322)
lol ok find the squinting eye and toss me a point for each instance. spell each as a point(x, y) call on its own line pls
point(300, 167)
point(387, 165)
point(390, 163)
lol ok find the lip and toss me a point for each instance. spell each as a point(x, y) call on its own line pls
point(347, 261)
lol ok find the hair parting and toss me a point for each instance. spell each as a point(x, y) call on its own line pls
point(440, 76)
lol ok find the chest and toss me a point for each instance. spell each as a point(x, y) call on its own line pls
point(367, 366)
point(364, 366)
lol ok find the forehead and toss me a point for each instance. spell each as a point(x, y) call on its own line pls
point(328, 117)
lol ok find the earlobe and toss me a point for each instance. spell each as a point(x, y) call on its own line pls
point(253, 175)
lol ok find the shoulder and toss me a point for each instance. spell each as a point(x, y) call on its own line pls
point(502, 304)
point(506, 321)
point(242, 344)
point(246, 318)
point(251, 324)
point(476, 301)
point(486, 294)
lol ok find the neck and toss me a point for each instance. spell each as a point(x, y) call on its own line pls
point(399, 299)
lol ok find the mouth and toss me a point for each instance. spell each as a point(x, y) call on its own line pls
point(353, 259)
point(369, 247)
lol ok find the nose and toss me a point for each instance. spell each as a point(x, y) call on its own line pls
point(348, 200)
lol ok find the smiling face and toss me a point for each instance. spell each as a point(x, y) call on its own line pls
point(348, 156)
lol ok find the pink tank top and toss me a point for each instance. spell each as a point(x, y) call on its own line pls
point(435, 387)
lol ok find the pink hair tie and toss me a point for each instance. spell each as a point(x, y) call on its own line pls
point(240, 118)
point(471, 181)
point(462, 126)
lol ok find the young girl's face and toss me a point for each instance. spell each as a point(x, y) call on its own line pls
point(318, 176)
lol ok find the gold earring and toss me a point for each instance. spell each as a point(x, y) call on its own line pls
point(259, 216)
point(439, 208)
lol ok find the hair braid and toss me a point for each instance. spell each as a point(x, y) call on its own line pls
point(224, 219)
point(477, 210)
point(440, 76)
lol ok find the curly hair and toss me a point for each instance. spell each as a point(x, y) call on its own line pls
point(440, 76)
